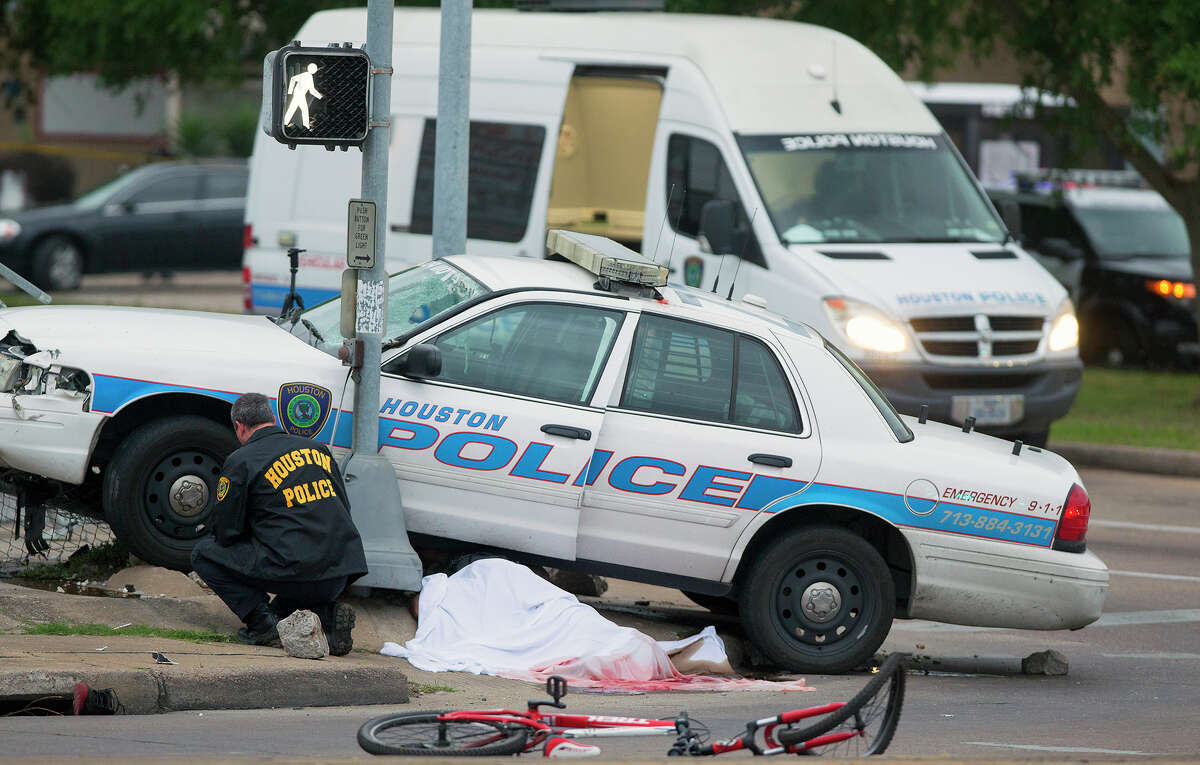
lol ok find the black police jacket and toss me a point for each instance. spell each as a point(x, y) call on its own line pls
point(282, 513)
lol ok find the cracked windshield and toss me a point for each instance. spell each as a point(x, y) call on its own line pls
point(415, 296)
point(867, 188)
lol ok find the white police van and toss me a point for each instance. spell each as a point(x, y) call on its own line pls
point(777, 158)
point(661, 434)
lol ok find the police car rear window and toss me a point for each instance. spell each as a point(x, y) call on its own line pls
point(684, 369)
point(903, 434)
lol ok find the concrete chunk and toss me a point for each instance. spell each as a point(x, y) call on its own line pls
point(303, 636)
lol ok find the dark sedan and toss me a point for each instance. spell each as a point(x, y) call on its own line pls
point(165, 216)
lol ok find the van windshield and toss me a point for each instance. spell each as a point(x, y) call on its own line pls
point(1127, 232)
point(416, 296)
point(868, 188)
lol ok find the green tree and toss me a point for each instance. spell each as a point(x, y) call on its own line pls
point(1131, 69)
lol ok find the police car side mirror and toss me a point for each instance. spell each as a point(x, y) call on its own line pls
point(419, 362)
point(718, 222)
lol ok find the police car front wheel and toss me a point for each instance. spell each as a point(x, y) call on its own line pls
point(818, 599)
point(160, 487)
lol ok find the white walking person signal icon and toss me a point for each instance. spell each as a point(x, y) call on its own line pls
point(300, 86)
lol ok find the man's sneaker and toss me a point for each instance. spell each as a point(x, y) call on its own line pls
point(89, 701)
point(260, 627)
point(338, 626)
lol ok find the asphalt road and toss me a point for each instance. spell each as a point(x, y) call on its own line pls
point(1131, 690)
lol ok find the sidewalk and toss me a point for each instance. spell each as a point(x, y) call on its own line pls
point(1137, 459)
point(204, 676)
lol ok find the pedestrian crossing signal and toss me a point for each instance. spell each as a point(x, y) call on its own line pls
point(317, 95)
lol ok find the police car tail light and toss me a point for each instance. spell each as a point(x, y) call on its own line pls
point(1072, 527)
point(247, 292)
point(864, 325)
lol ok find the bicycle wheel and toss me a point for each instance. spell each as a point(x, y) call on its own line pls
point(423, 733)
point(864, 726)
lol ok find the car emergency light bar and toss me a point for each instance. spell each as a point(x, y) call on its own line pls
point(605, 258)
point(1049, 179)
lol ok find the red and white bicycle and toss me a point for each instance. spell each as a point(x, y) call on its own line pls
point(864, 725)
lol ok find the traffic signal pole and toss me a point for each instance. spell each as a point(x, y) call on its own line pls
point(375, 501)
point(370, 312)
point(453, 131)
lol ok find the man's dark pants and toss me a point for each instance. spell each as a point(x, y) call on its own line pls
point(243, 593)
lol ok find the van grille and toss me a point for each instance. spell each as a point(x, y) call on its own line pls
point(979, 336)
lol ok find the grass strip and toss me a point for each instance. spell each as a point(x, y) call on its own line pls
point(133, 630)
point(1134, 408)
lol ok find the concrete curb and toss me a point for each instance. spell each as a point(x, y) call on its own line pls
point(1138, 459)
point(160, 690)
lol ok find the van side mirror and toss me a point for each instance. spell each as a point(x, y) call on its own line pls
point(1010, 213)
point(718, 224)
point(1057, 247)
point(419, 362)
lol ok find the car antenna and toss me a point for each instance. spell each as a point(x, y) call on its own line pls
point(741, 255)
point(834, 102)
point(661, 226)
point(675, 232)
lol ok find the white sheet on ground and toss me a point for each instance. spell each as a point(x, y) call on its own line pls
point(497, 617)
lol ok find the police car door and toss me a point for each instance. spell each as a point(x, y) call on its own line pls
point(707, 431)
point(492, 449)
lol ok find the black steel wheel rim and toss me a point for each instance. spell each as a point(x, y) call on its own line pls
point(821, 602)
point(180, 493)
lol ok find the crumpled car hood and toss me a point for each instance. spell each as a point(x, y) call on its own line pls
point(106, 336)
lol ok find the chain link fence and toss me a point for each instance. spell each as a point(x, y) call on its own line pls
point(31, 538)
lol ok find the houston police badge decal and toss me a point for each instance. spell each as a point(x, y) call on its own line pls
point(304, 408)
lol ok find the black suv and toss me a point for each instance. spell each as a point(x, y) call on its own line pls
point(1122, 252)
point(165, 216)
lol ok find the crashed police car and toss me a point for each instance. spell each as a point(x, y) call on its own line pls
point(580, 414)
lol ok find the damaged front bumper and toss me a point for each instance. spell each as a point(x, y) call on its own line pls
point(46, 426)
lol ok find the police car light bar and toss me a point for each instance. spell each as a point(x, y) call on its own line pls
point(606, 258)
point(1054, 178)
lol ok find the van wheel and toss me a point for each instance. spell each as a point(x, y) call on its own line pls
point(58, 263)
point(160, 488)
point(819, 599)
point(718, 604)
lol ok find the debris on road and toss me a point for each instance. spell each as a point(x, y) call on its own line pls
point(1044, 663)
point(303, 636)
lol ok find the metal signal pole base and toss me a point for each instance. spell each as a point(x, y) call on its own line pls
point(379, 515)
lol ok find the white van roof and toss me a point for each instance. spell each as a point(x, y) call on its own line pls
point(992, 93)
point(770, 76)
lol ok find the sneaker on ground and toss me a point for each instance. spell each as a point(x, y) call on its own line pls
point(90, 701)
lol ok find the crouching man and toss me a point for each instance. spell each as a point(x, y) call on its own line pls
point(281, 525)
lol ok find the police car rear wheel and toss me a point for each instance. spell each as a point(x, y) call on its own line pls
point(819, 599)
point(160, 487)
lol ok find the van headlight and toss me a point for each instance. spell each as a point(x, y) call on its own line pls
point(864, 325)
point(1064, 332)
point(9, 229)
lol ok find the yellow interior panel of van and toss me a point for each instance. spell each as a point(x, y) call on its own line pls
point(603, 158)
